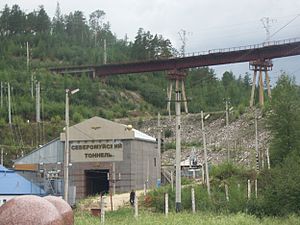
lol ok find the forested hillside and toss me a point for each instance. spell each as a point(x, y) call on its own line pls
point(77, 39)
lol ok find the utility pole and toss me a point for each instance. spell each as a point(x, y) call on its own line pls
point(1, 94)
point(268, 158)
point(38, 99)
point(227, 130)
point(182, 35)
point(158, 150)
point(256, 143)
point(147, 175)
point(67, 153)
point(28, 68)
point(43, 127)
point(172, 180)
point(178, 148)
point(253, 86)
point(205, 156)
point(169, 93)
point(249, 189)
point(38, 117)
point(262, 159)
point(114, 169)
point(27, 51)
point(105, 53)
point(9, 104)
point(114, 176)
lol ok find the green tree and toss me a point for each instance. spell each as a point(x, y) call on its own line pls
point(148, 46)
point(227, 79)
point(30, 24)
point(76, 26)
point(4, 21)
point(280, 188)
point(16, 20)
point(58, 21)
point(247, 81)
point(284, 119)
point(43, 21)
point(96, 21)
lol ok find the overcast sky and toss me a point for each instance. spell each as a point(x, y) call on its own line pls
point(209, 24)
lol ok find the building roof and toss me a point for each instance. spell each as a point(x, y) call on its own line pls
point(12, 183)
point(97, 128)
point(142, 136)
point(52, 152)
point(186, 163)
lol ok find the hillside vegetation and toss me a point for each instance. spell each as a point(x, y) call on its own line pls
point(75, 39)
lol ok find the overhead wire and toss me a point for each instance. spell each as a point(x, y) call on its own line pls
point(276, 32)
point(243, 33)
point(218, 27)
point(280, 29)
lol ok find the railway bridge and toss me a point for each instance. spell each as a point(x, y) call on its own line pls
point(259, 57)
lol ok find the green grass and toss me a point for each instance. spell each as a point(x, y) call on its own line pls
point(125, 216)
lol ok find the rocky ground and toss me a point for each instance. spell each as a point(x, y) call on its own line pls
point(241, 136)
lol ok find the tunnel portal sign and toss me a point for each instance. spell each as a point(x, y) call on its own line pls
point(101, 151)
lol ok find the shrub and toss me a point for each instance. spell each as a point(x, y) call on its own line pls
point(168, 133)
point(281, 195)
point(241, 109)
point(77, 117)
point(170, 145)
point(234, 177)
point(227, 170)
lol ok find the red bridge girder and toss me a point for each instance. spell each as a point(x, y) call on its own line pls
point(268, 50)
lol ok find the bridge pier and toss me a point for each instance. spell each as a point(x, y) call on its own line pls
point(176, 76)
point(260, 66)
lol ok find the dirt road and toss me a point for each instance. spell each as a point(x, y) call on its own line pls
point(118, 200)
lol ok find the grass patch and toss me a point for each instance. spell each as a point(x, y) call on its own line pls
point(125, 216)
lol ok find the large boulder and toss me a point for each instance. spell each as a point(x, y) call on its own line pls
point(63, 208)
point(29, 210)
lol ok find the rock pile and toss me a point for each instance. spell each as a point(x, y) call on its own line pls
point(241, 136)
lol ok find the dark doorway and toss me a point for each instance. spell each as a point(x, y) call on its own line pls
point(96, 182)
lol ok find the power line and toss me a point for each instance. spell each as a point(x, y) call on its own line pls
point(292, 20)
point(218, 27)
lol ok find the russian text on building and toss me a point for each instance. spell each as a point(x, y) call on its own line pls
point(101, 151)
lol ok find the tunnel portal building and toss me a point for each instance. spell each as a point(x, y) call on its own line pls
point(104, 157)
